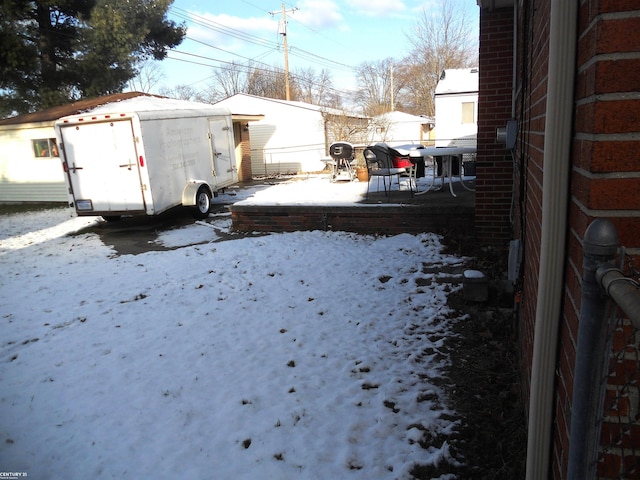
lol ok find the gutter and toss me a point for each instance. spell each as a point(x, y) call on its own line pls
point(555, 196)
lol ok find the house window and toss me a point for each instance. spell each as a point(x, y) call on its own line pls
point(45, 148)
point(468, 112)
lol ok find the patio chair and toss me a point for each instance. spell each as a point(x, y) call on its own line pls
point(380, 164)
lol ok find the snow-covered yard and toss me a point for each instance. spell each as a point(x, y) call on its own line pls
point(309, 355)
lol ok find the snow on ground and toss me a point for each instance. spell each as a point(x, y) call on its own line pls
point(302, 355)
point(317, 190)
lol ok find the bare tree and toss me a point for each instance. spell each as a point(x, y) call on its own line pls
point(148, 76)
point(247, 78)
point(184, 92)
point(440, 41)
point(306, 85)
point(378, 86)
point(316, 87)
point(230, 80)
point(270, 83)
point(343, 127)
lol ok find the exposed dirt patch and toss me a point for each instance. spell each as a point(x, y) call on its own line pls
point(484, 381)
point(485, 391)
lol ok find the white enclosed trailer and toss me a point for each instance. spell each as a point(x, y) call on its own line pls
point(145, 162)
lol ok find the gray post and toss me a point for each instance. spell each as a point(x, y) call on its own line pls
point(600, 246)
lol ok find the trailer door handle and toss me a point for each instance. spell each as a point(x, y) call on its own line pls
point(128, 165)
point(74, 168)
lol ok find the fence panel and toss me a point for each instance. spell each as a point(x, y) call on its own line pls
point(619, 451)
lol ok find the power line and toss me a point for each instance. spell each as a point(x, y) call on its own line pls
point(255, 40)
point(223, 29)
point(331, 39)
point(320, 60)
point(247, 69)
point(234, 33)
point(225, 51)
point(254, 6)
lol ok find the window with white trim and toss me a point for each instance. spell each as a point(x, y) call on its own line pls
point(45, 148)
point(468, 112)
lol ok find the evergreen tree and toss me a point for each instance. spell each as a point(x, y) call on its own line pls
point(57, 51)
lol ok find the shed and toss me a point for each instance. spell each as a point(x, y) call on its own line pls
point(456, 102)
point(294, 136)
point(399, 128)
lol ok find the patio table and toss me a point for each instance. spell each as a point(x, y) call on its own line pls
point(447, 156)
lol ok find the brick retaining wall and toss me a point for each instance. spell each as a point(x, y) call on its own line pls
point(373, 219)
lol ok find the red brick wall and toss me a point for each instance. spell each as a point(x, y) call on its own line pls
point(497, 188)
point(244, 144)
point(533, 48)
point(605, 163)
point(386, 220)
point(604, 166)
point(494, 167)
point(606, 146)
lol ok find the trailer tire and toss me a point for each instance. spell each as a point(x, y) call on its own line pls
point(203, 203)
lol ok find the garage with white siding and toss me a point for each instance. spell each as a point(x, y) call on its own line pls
point(30, 169)
point(293, 137)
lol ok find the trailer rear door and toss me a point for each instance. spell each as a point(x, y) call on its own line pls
point(224, 164)
point(102, 165)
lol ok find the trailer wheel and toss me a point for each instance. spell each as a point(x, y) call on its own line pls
point(203, 203)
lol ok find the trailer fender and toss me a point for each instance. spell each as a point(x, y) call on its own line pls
point(191, 190)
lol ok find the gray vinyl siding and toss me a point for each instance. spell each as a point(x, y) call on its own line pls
point(37, 192)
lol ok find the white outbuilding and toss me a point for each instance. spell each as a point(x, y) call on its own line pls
point(293, 137)
point(456, 103)
point(400, 128)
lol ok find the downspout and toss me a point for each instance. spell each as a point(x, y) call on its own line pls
point(555, 196)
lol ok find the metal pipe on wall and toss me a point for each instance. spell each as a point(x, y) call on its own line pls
point(600, 246)
point(623, 290)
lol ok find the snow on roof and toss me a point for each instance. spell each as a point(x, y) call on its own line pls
point(130, 101)
point(462, 80)
point(402, 117)
point(54, 113)
point(248, 102)
point(145, 104)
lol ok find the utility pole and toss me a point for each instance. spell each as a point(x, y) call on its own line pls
point(393, 105)
point(282, 30)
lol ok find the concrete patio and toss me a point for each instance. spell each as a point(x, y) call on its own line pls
point(399, 212)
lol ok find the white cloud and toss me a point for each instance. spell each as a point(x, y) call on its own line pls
point(319, 14)
point(378, 8)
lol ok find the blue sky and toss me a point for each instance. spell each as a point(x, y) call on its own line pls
point(332, 34)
